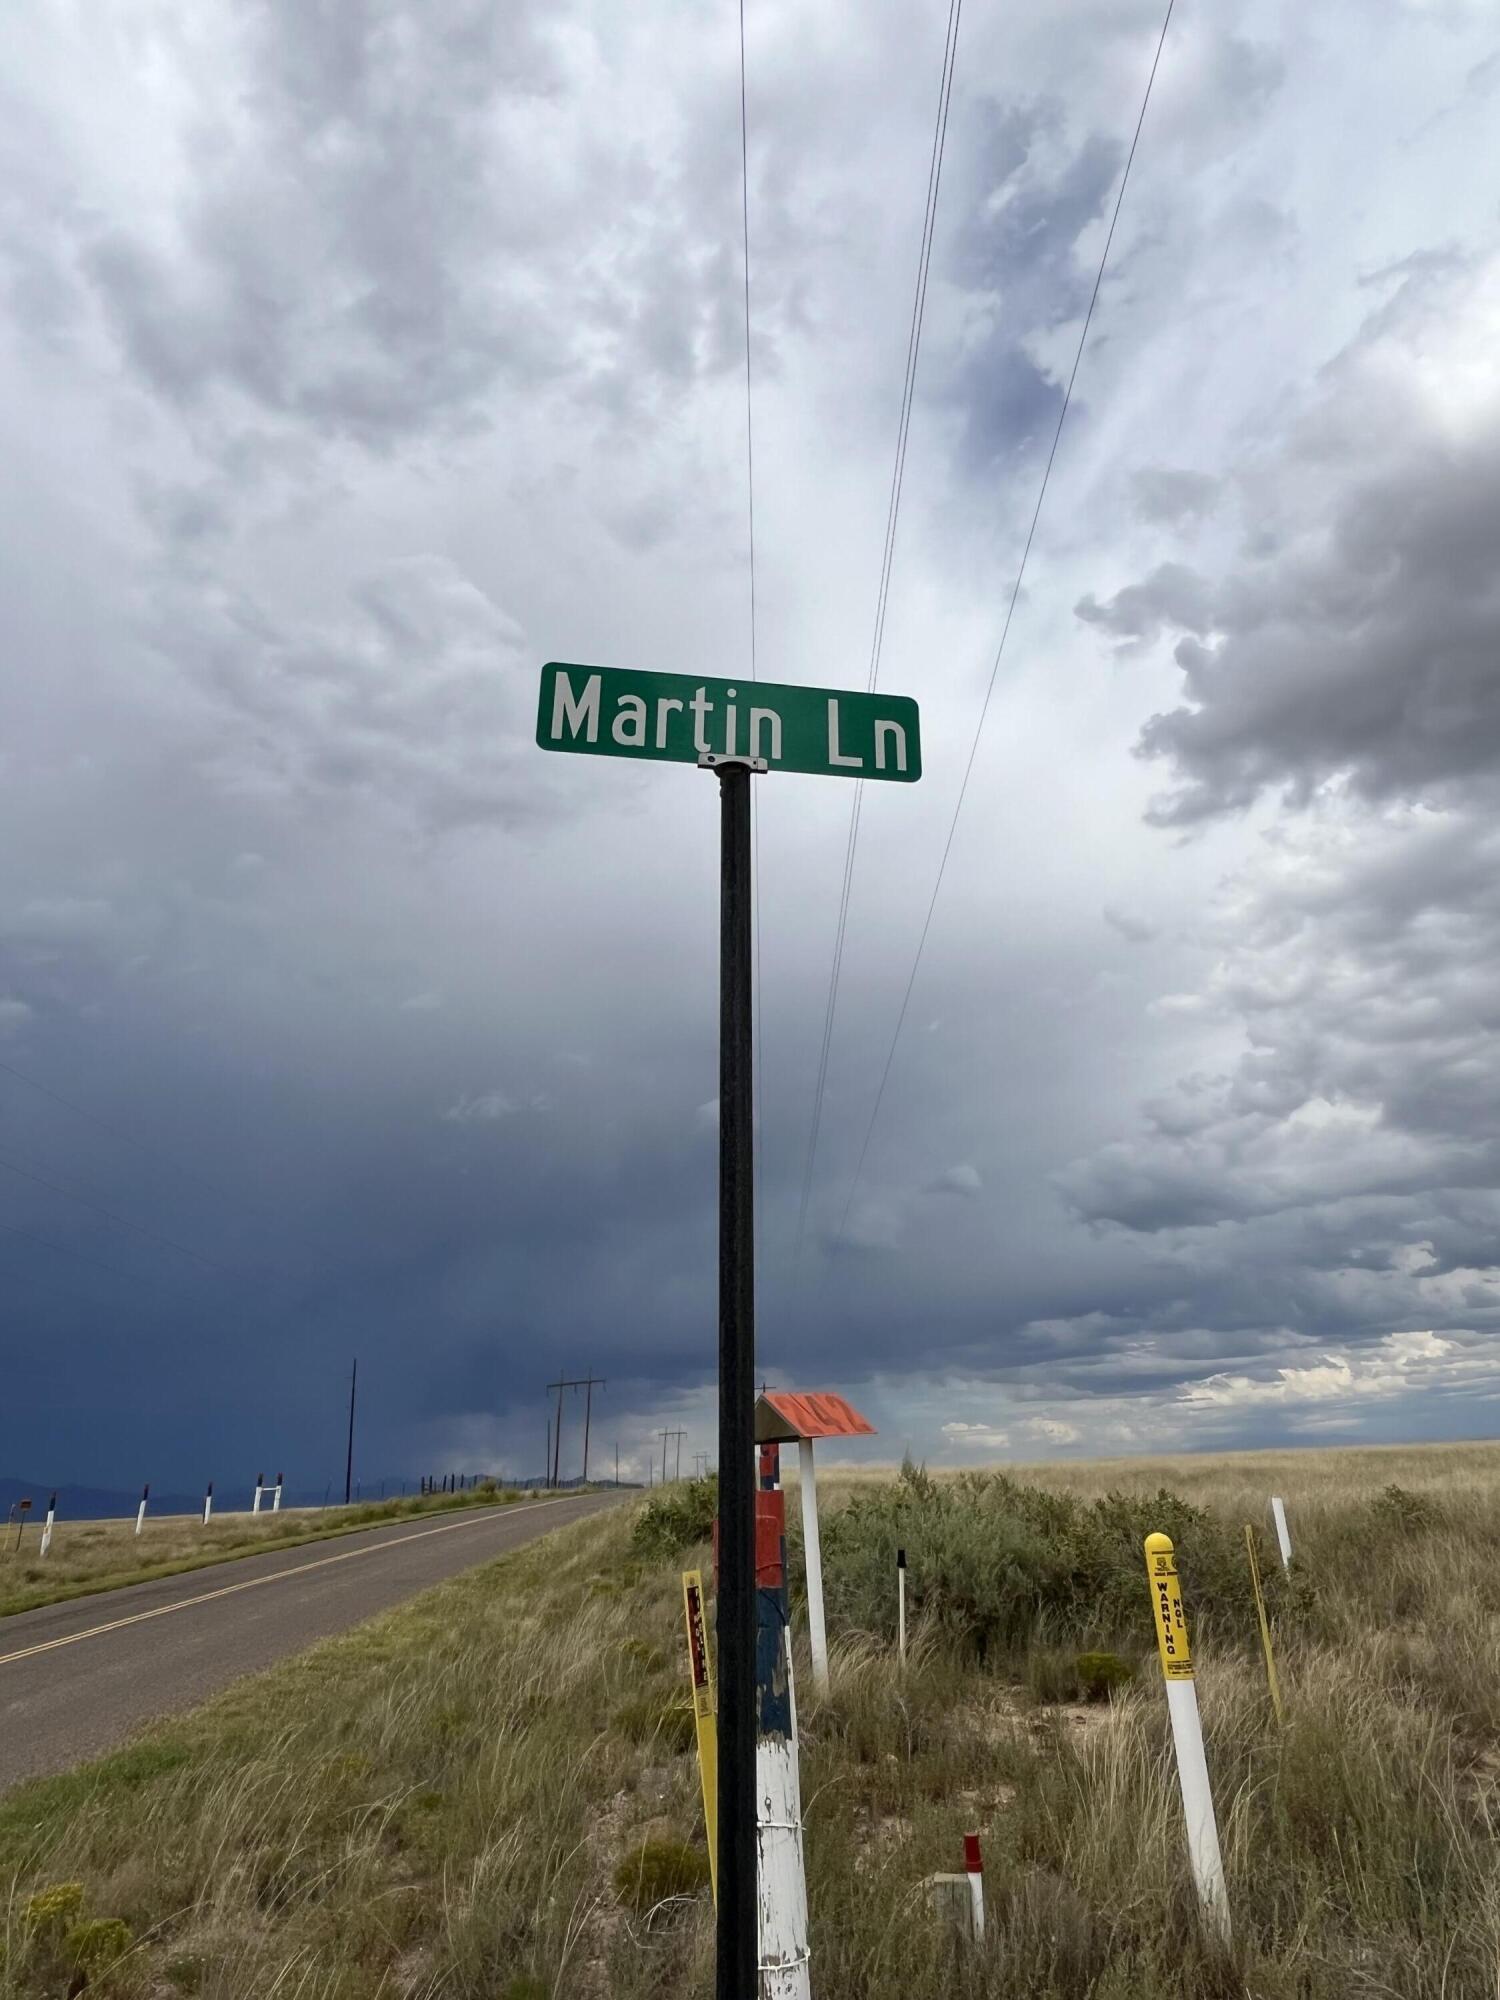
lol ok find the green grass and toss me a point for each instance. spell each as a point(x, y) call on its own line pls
point(90, 1556)
point(456, 1799)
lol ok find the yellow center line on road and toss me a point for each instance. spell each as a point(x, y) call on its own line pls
point(276, 1576)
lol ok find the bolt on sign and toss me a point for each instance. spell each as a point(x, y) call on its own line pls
point(683, 718)
point(736, 731)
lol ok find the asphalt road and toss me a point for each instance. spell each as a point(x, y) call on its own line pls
point(77, 1678)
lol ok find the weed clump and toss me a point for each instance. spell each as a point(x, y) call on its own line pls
point(658, 1871)
point(648, 1719)
point(677, 1519)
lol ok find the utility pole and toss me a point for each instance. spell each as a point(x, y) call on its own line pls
point(559, 1386)
point(589, 1382)
point(547, 1461)
point(349, 1461)
point(679, 1435)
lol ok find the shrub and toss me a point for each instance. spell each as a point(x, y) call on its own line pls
point(51, 1908)
point(677, 1519)
point(1099, 1674)
point(1406, 1511)
point(1004, 1567)
point(658, 1870)
point(97, 1942)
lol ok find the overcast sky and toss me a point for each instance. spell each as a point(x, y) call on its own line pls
point(356, 358)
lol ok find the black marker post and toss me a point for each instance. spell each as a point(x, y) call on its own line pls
point(737, 1976)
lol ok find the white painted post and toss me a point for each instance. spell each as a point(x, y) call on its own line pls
point(901, 1606)
point(781, 1889)
point(780, 1877)
point(47, 1530)
point(140, 1512)
point(812, 1548)
point(1284, 1540)
point(974, 1869)
point(1187, 1734)
point(260, 1482)
point(208, 1503)
point(276, 1496)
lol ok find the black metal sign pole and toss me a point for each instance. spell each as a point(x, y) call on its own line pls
point(736, 1976)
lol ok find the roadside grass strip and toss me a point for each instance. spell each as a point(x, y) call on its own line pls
point(90, 1556)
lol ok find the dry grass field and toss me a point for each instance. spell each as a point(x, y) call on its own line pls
point(452, 1800)
point(88, 1556)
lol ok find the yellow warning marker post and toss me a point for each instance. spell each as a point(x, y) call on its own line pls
point(1265, 1624)
point(1187, 1733)
point(700, 1666)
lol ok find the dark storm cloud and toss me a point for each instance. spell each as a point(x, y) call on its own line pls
point(1358, 636)
point(421, 702)
point(1351, 661)
point(358, 353)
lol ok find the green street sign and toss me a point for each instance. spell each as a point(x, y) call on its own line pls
point(682, 718)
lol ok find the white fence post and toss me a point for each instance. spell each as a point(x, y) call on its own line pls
point(140, 1512)
point(47, 1530)
point(260, 1485)
point(1187, 1733)
point(974, 1869)
point(276, 1496)
point(1284, 1540)
point(208, 1503)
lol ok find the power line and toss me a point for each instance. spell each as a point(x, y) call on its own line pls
point(882, 595)
point(110, 1215)
point(79, 1256)
point(1005, 629)
point(194, 1173)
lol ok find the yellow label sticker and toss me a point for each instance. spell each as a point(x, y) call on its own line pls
point(1166, 1605)
point(701, 1671)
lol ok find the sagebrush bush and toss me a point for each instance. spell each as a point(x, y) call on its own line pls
point(1001, 1566)
point(676, 1519)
